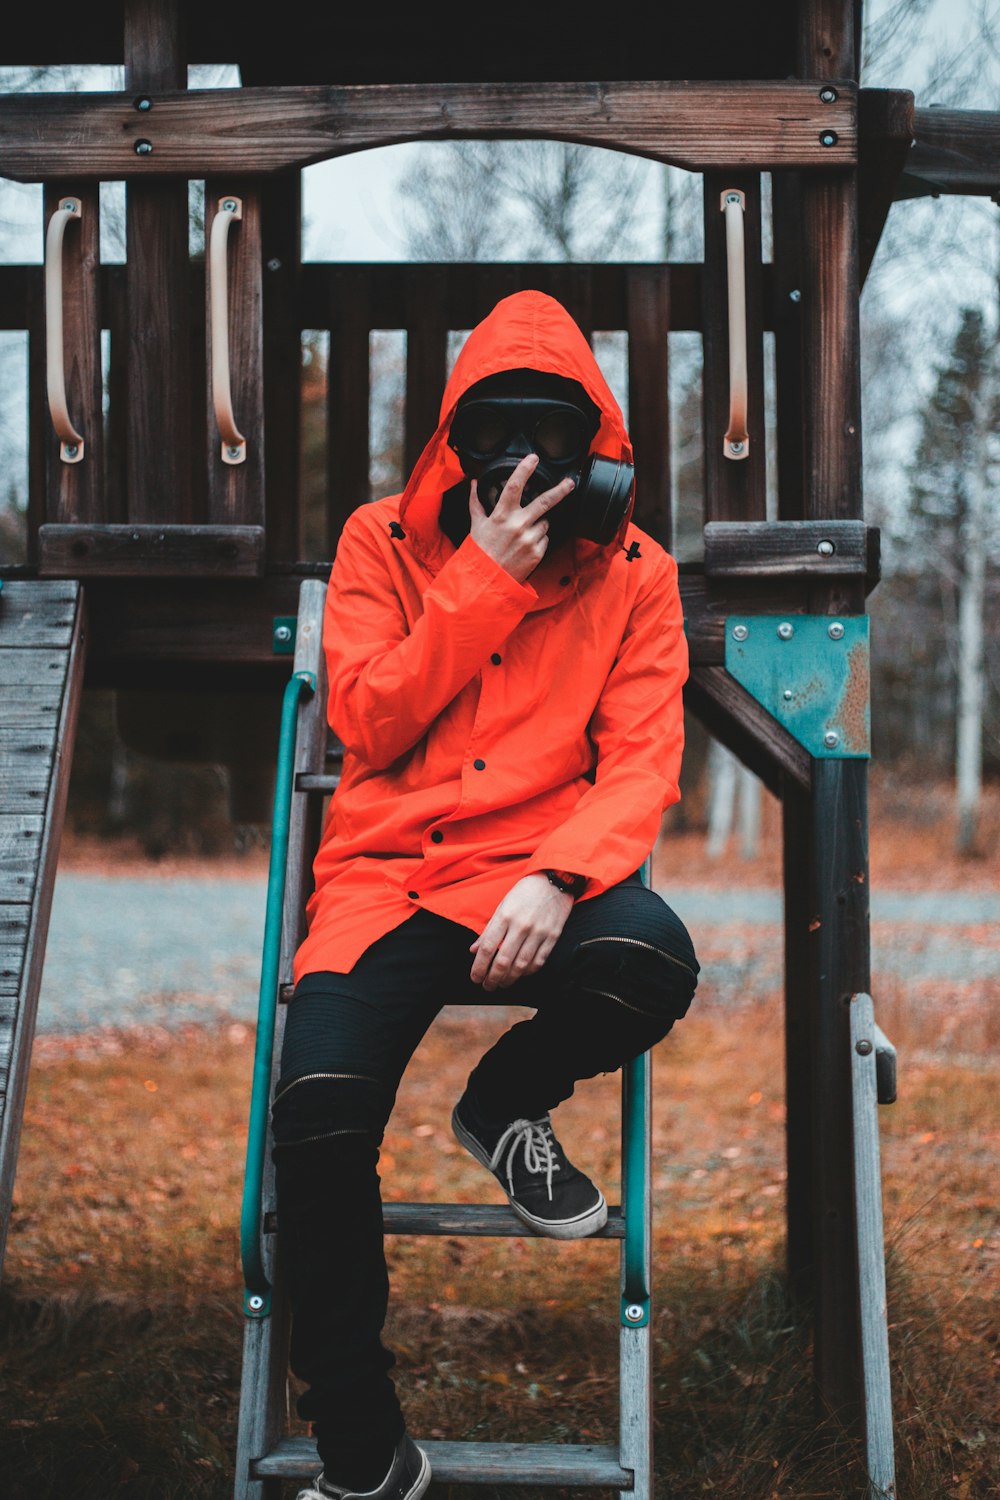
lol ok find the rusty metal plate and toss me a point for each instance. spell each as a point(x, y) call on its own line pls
point(811, 673)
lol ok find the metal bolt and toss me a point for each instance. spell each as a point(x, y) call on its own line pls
point(732, 197)
point(255, 1303)
point(825, 548)
point(786, 631)
point(228, 205)
point(828, 95)
point(795, 295)
point(863, 1048)
point(740, 632)
point(233, 452)
point(787, 694)
point(143, 103)
point(634, 1312)
point(736, 447)
point(274, 264)
point(72, 450)
point(828, 137)
point(282, 633)
point(143, 148)
point(70, 205)
point(831, 739)
point(835, 631)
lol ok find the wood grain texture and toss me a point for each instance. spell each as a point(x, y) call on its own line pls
point(15, 920)
point(348, 391)
point(886, 126)
point(20, 841)
point(426, 362)
point(727, 710)
point(469, 1462)
point(37, 615)
point(74, 491)
point(236, 491)
point(786, 301)
point(647, 295)
point(151, 551)
point(955, 151)
point(800, 1191)
point(735, 549)
point(698, 126)
point(281, 234)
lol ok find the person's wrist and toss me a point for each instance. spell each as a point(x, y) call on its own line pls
point(567, 881)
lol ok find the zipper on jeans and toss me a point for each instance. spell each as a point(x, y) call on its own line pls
point(310, 1077)
point(638, 943)
point(650, 1015)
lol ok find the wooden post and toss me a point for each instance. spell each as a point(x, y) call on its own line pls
point(75, 491)
point(348, 389)
point(281, 213)
point(426, 365)
point(160, 455)
point(648, 314)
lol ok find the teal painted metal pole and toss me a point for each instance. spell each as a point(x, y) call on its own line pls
point(257, 1293)
point(635, 1297)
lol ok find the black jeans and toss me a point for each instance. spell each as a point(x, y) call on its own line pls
point(622, 972)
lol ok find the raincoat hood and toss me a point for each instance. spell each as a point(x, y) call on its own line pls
point(528, 330)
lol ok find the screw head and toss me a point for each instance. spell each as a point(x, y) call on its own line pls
point(732, 197)
point(863, 1047)
point(786, 631)
point(828, 137)
point(634, 1312)
point(825, 548)
point(831, 739)
point(233, 451)
point(274, 264)
point(70, 205)
point(143, 103)
point(795, 295)
point(835, 631)
point(828, 95)
point(282, 633)
point(255, 1303)
point(787, 694)
point(228, 205)
point(143, 148)
point(71, 450)
point(740, 632)
point(736, 447)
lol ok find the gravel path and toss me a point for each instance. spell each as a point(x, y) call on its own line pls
point(160, 952)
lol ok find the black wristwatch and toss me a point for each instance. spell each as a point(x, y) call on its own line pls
point(566, 881)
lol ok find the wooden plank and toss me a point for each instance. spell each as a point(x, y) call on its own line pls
point(954, 151)
point(754, 549)
point(426, 363)
point(74, 491)
point(735, 489)
point(32, 317)
point(236, 491)
point(20, 842)
point(281, 231)
point(25, 767)
point(479, 1219)
point(728, 711)
point(28, 669)
point(36, 615)
point(471, 1463)
point(151, 551)
point(115, 303)
point(648, 323)
point(886, 125)
point(786, 303)
point(348, 390)
point(698, 126)
point(15, 921)
point(798, 861)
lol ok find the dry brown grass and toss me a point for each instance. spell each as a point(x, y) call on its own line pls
point(120, 1325)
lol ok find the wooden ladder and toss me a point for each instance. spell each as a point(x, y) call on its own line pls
point(266, 1455)
point(41, 677)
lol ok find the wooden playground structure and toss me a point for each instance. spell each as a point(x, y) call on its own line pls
point(165, 519)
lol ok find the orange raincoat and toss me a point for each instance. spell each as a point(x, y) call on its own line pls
point(491, 728)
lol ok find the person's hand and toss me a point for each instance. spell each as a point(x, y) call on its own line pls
point(521, 933)
point(514, 536)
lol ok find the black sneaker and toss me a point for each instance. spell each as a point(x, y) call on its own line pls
point(409, 1475)
point(543, 1187)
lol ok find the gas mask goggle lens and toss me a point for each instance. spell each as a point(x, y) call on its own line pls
point(493, 430)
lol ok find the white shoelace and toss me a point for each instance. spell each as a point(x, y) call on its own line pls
point(536, 1138)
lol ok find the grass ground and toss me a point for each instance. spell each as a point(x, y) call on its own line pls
point(120, 1322)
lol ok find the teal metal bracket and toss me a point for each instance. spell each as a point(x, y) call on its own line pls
point(283, 635)
point(811, 673)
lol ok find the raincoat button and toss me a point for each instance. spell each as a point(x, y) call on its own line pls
point(496, 658)
point(437, 836)
point(413, 895)
point(565, 579)
point(480, 765)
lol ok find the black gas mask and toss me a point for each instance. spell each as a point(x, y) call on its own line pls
point(501, 419)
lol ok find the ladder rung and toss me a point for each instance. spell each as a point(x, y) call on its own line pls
point(469, 1463)
point(465, 1219)
point(316, 781)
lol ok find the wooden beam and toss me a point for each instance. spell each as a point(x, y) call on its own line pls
point(954, 151)
point(348, 380)
point(759, 125)
point(134, 551)
point(426, 362)
point(885, 127)
point(791, 549)
point(648, 309)
point(729, 713)
point(281, 231)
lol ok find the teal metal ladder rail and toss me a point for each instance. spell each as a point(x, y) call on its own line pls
point(266, 1455)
